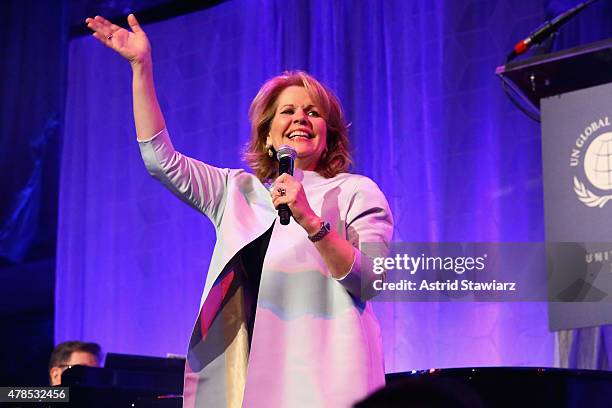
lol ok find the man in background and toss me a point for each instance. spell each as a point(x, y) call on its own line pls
point(71, 353)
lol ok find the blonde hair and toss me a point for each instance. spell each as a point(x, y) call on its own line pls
point(336, 159)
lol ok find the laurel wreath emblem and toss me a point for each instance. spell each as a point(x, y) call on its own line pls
point(589, 198)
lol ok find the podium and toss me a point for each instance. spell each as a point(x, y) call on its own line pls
point(572, 89)
point(560, 72)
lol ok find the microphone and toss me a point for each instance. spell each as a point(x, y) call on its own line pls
point(286, 156)
point(546, 29)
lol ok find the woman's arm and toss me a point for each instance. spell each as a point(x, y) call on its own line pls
point(134, 46)
point(148, 117)
point(200, 185)
point(336, 251)
point(368, 220)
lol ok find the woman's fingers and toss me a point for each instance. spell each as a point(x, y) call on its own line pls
point(102, 20)
point(104, 31)
point(276, 201)
point(279, 191)
point(98, 27)
point(134, 23)
point(132, 44)
point(102, 26)
point(282, 178)
point(93, 25)
point(283, 193)
point(100, 35)
point(102, 38)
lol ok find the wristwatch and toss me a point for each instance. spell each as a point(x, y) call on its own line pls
point(323, 231)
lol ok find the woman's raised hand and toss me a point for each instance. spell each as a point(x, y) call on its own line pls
point(132, 45)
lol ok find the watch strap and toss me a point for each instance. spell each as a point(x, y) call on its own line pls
point(323, 231)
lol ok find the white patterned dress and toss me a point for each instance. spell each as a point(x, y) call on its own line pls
point(275, 329)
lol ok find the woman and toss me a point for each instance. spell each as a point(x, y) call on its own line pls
point(284, 320)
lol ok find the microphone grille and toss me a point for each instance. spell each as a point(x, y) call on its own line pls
point(286, 151)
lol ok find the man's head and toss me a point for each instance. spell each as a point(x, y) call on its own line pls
point(71, 353)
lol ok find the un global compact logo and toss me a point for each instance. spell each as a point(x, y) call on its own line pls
point(593, 148)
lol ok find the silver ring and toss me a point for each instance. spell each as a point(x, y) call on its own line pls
point(109, 36)
point(282, 191)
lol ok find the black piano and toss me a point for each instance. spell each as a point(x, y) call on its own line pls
point(495, 387)
point(138, 381)
point(126, 381)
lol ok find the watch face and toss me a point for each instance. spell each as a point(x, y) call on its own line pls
point(325, 228)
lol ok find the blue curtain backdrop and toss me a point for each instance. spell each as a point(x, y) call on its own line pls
point(33, 38)
point(430, 125)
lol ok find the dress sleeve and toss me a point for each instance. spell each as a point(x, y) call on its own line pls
point(369, 228)
point(198, 184)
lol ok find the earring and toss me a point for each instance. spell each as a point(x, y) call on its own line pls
point(270, 150)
